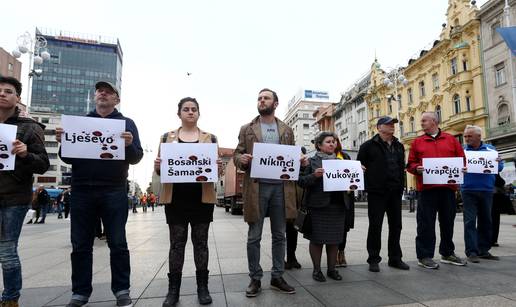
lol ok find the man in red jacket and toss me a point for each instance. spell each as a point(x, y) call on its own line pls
point(433, 198)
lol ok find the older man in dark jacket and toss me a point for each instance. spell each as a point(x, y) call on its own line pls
point(16, 185)
point(383, 157)
point(100, 189)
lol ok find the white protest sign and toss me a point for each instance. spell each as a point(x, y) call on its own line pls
point(443, 170)
point(481, 162)
point(7, 137)
point(273, 161)
point(342, 175)
point(92, 138)
point(181, 162)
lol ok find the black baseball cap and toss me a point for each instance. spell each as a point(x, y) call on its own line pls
point(386, 120)
point(107, 84)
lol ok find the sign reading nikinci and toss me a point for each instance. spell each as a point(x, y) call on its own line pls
point(181, 162)
point(273, 161)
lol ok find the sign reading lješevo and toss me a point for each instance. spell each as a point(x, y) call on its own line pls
point(92, 138)
point(7, 137)
point(273, 161)
point(443, 170)
point(342, 175)
point(182, 162)
point(482, 162)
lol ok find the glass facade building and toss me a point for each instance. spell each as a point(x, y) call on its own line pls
point(78, 61)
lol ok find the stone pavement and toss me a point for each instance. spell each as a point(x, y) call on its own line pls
point(45, 253)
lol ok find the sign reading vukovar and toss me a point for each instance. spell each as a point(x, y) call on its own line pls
point(92, 138)
point(273, 161)
point(443, 170)
point(342, 175)
point(7, 137)
point(482, 162)
point(182, 162)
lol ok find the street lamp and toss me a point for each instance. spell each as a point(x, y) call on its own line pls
point(36, 48)
point(394, 79)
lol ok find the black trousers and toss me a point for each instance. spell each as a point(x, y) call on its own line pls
point(496, 210)
point(377, 205)
point(178, 238)
point(431, 202)
point(291, 241)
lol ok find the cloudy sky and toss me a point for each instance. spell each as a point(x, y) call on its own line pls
point(233, 48)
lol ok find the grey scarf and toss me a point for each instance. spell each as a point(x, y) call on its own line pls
point(325, 156)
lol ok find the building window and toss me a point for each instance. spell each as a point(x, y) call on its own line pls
point(412, 124)
point(453, 64)
point(44, 179)
point(306, 126)
point(390, 105)
point(305, 115)
point(495, 36)
point(409, 95)
point(51, 144)
point(49, 132)
point(401, 128)
point(377, 112)
point(464, 65)
point(499, 74)
point(10, 67)
point(504, 116)
point(438, 114)
point(422, 92)
point(435, 82)
point(52, 168)
point(456, 104)
point(399, 102)
point(468, 103)
point(52, 155)
point(45, 120)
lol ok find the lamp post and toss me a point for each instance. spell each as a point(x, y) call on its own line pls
point(36, 49)
point(394, 79)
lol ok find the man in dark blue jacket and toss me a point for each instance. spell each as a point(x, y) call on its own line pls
point(477, 194)
point(100, 190)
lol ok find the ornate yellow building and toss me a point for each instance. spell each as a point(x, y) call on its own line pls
point(446, 79)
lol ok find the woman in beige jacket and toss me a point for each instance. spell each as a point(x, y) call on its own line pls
point(188, 203)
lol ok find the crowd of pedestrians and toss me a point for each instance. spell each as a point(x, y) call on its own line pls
point(97, 203)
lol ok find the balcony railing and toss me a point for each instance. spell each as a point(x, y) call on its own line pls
point(501, 130)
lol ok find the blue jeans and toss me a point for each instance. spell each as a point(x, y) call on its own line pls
point(110, 204)
point(477, 221)
point(272, 204)
point(431, 202)
point(11, 221)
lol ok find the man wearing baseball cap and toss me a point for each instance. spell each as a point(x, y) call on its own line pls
point(383, 158)
point(100, 190)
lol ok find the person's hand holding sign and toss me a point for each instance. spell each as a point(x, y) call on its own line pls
point(59, 132)
point(245, 159)
point(420, 169)
point(304, 160)
point(157, 164)
point(19, 149)
point(319, 172)
point(128, 137)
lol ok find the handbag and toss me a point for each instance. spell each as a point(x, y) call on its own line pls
point(303, 222)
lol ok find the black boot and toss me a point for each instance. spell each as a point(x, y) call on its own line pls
point(174, 285)
point(203, 294)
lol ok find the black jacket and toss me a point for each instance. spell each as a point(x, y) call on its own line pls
point(16, 186)
point(373, 155)
point(314, 195)
point(89, 172)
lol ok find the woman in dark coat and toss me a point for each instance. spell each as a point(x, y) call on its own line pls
point(327, 209)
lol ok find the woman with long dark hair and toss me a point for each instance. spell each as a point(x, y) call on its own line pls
point(188, 203)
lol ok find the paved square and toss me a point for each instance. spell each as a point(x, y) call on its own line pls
point(45, 254)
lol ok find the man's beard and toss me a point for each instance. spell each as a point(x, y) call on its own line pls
point(266, 111)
